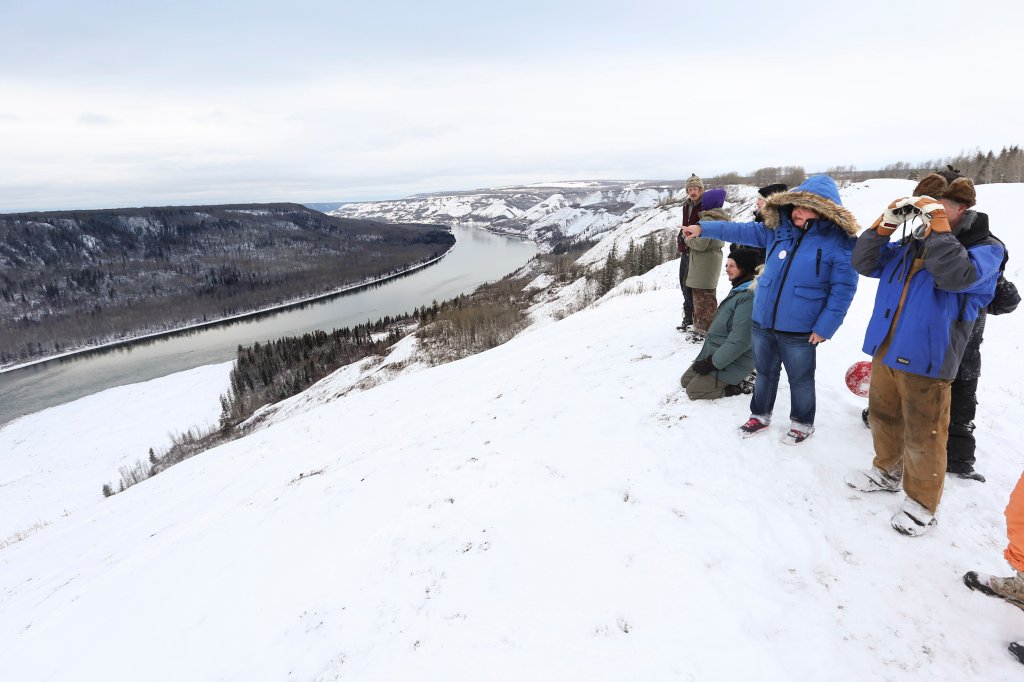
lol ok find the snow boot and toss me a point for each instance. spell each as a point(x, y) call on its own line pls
point(747, 385)
point(797, 434)
point(753, 426)
point(913, 519)
point(873, 480)
point(1009, 589)
point(1016, 650)
point(864, 418)
point(967, 474)
point(694, 336)
point(686, 324)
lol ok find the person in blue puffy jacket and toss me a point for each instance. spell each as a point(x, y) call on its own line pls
point(802, 296)
point(931, 286)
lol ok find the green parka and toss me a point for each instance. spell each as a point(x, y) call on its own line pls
point(728, 341)
point(706, 255)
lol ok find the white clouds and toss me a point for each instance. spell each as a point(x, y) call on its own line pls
point(644, 97)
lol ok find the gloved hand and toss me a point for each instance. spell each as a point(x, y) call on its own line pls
point(894, 215)
point(703, 366)
point(933, 215)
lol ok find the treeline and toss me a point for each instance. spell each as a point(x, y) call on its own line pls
point(637, 260)
point(73, 279)
point(270, 372)
point(982, 167)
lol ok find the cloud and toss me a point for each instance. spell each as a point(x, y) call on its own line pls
point(611, 102)
point(91, 119)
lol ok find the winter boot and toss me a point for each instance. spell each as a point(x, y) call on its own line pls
point(797, 434)
point(873, 480)
point(913, 518)
point(968, 474)
point(747, 385)
point(1016, 650)
point(864, 418)
point(686, 324)
point(753, 426)
point(1008, 589)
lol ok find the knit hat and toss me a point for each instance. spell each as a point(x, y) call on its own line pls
point(959, 189)
point(774, 188)
point(694, 181)
point(746, 260)
point(713, 198)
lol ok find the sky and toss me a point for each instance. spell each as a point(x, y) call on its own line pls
point(141, 103)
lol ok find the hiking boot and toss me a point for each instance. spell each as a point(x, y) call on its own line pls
point(873, 480)
point(913, 518)
point(968, 475)
point(751, 427)
point(864, 418)
point(797, 434)
point(1016, 650)
point(1009, 589)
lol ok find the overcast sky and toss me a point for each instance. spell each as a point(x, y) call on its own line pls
point(116, 103)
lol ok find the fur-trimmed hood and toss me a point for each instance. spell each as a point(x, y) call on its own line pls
point(715, 214)
point(818, 193)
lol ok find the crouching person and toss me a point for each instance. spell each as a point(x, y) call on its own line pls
point(726, 358)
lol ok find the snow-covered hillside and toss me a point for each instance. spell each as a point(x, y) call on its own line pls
point(545, 213)
point(552, 509)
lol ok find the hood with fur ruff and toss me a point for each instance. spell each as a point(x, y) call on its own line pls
point(818, 193)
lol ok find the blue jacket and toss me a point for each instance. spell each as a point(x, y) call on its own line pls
point(808, 282)
point(948, 279)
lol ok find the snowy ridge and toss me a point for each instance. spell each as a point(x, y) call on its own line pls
point(552, 509)
point(543, 212)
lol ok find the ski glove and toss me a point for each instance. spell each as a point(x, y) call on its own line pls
point(703, 367)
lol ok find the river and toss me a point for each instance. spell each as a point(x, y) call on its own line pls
point(478, 257)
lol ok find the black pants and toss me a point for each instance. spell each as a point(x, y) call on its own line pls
point(963, 403)
point(684, 269)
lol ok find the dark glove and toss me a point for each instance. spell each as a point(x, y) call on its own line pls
point(703, 366)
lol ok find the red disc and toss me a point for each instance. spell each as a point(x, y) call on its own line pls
point(858, 378)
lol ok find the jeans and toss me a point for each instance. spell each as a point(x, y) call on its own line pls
point(772, 351)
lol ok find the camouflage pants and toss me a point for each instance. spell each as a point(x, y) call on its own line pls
point(705, 305)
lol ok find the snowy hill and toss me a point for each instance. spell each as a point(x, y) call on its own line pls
point(552, 509)
point(546, 213)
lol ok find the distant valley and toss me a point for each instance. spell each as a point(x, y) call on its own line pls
point(70, 279)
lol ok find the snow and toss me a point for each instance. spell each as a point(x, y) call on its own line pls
point(552, 509)
point(56, 461)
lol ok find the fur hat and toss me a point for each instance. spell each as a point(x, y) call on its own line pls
point(774, 188)
point(960, 189)
point(746, 260)
point(694, 181)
